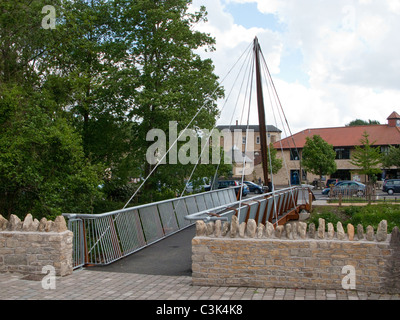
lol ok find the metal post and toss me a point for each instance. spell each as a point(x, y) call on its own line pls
point(261, 114)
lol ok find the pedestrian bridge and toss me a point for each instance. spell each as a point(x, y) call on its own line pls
point(100, 239)
point(105, 238)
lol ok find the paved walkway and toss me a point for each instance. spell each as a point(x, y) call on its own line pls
point(123, 282)
point(87, 284)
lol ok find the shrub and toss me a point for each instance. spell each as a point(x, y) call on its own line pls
point(326, 213)
point(365, 215)
point(372, 215)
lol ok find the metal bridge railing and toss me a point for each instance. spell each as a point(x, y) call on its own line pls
point(271, 207)
point(100, 239)
point(76, 226)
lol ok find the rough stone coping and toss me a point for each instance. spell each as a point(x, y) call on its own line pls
point(33, 225)
point(294, 231)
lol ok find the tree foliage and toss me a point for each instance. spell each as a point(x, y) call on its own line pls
point(175, 83)
point(366, 157)
point(274, 162)
point(392, 159)
point(318, 156)
point(77, 101)
point(359, 122)
point(42, 168)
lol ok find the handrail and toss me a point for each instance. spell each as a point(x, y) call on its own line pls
point(102, 215)
point(106, 237)
point(196, 216)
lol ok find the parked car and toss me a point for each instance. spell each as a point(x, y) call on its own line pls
point(328, 189)
point(189, 187)
point(200, 185)
point(330, 182)
point(254, 187)
point(346, 187)
point(391, 186)
point(233, 183)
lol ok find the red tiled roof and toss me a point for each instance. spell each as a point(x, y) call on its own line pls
point(344, 136)
point(394, 115)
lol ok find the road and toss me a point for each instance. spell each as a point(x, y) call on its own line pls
point(382, 195)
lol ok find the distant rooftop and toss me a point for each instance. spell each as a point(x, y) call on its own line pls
point(382, 135)
point(394, 115)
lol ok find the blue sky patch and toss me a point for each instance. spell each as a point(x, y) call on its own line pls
point(291, 68)
point(247, 15)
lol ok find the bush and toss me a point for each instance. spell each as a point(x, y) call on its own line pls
point(326, 213)
point(365, 215)
point(374, 214)
point(352, 210)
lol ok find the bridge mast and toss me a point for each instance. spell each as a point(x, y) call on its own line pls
point(261, 114)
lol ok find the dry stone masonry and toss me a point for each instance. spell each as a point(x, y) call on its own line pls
point(29, 245)
point(296, 256)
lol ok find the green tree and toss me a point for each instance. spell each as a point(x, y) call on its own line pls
point(274, 162)
point(93, 69)
point(318, 156)
point(86, 93)
point(42, 167)
point(359, 122)
point(23, 41)
point(392, 159)
point(367, 158)
point(175, 83)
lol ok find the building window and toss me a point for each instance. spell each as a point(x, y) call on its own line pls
point(342, 175)
point(294, 155)
point(342, 153)
point(244, 140)
point(385, 150)
point(258, 139)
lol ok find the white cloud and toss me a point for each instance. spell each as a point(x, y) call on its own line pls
point(350, 53)
point(394, 6)
point(232, 39)
point(270, 6)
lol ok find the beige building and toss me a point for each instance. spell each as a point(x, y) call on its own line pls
point(238, 134)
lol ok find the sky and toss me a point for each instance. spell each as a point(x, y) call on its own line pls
point(331, 61)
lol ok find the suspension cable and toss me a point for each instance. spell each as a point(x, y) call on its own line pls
point(270, 83)
point(211, 132)
point(234, 112)
point(180, 135)
point(246, 136)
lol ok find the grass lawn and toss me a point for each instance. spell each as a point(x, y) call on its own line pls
point(370, 215)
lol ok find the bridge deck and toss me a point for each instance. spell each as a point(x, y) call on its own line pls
point(170, 257)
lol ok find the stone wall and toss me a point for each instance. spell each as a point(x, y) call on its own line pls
point(27, 246)
point(294, 256)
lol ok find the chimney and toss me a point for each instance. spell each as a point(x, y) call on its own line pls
point(394, 120)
